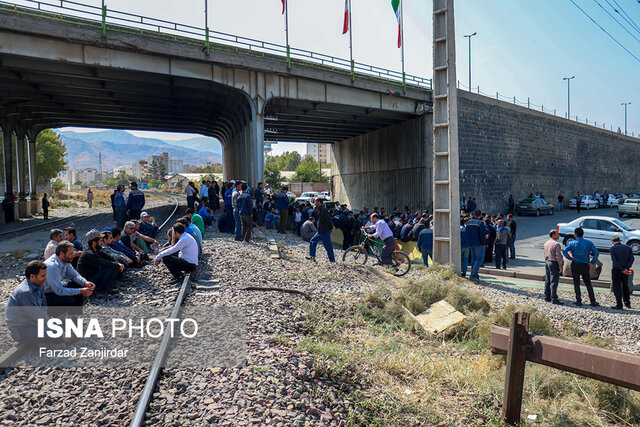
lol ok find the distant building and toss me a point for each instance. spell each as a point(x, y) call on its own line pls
point(180, 180)
point(320, 152)
point(125, 169)
point(175, 166)
point(162, 158)
point(140, 169)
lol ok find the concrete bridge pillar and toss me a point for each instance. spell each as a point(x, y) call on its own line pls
point(22, 175)
point(35, 205)
point(7, 137)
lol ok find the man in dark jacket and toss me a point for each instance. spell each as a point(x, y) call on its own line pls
point(622, 258)
point(120, 204)
point(245, 208)
point(425, 244)
point(135, 203)
point(259, 194)
point(405, 232)
point(282, 205)
point(324, 225)
point(346, 226)
point(417, 228)
point(96, 266)
point(477, 237)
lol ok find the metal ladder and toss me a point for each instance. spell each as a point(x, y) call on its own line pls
point(446, 187)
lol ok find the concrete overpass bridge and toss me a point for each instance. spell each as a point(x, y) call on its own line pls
point(61, 67)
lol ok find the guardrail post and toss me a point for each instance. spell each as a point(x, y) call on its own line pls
point(404, 82)
point(516, 360)
point(528, 102)
point(288, 57)
point(353, 74)
point(206, 35)
point(104, 19)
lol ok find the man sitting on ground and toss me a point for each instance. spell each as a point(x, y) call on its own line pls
point(55, 237)
point(147, 225)
point(70, 236)
point(195, 219)
point(308, 229)
point(67, 294)
point(193, 231)
point(226, 222)
point(107, 242)
point(116, 233)
point(186, 259)
point(98, 267)
point(206, 213)
point(27, 304)
point(130, 239)
point(272, 219)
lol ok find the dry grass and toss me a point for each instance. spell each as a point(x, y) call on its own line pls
point(405, 378)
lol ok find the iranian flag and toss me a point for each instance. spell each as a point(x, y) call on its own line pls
point(395, 4)
point(345, 26)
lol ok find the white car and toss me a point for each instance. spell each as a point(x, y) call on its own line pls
point(600, 230)
point(291, 196)
point(309, 196)
point(325, 195)
point(611, 201)
point(586, 202)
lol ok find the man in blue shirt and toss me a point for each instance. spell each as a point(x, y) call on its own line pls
point(205, 213)
point(425, 244)
point(70, 235)
point(135, 202)
point(464, 247)
point(622, 258)
point(282, 205)
point(259, 194)
point(245, 208)
point(583, 257)
point(477, 237)
point(120, 205)
point(272, 220)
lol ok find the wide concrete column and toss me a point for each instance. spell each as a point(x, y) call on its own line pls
point(7, 139)
point(34, 209)
point(23, 210)
point(258, 144)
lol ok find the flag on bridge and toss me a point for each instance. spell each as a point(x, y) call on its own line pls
point(284, 2)
point(395, 4)
point(345, 26)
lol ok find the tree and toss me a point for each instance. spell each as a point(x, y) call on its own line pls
point(154, 183)
point(157, 170)
point(287, 161)
point(309, 171)
point(121, 179)
point(216, 168)
point(272, 177)
point(50, 155)
point(57, 185)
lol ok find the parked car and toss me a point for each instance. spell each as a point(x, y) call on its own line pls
point(587, 202)
point(325, 194)
point(629, 207)
point(291, 196)
point(600, 229)
point(535, 207)
point(308, 196)
point(611, 201)
point(621, 198)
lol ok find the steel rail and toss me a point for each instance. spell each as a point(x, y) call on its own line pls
point(161, 26)
point(156, 368)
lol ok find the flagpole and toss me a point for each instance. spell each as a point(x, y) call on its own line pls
point(404, 85)
point(286, 30)
point(351, 43)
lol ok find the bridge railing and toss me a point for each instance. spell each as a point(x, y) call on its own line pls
point(112, 19)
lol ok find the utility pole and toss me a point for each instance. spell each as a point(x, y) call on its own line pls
point(469, 37)
point(625, 115)
point(568, 79)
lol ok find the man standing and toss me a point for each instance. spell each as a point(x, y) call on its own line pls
point(245, 207)
point(59, 268)
point(464, 247)
point(325, 226)
point(513, 227)
point(425, 244)
point(282, 205)
point(583, 257)
point(553, 263)
point(560, 202)
point(512, 204)
point(45, 206)
point(236, 212)
point(477, 237)
point(55, 237)
point(204, 192)
point(382, 231)
point(191, 195)
point(120, 204)
point(90, 197)
point(502, 238)
point(97, 266)
point(135, 202)
point(622, 258)
point(578, 202)
point(113, 206)
point(227, 197)
point(27, 304)
point(259, 194)
point(186, 259)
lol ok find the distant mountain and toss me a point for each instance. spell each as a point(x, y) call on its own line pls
point(122, 148)
point(201, 143)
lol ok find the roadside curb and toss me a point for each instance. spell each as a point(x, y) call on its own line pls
point(528, 276)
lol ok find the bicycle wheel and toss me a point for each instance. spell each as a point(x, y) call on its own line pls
point(401, 263)
point(355, 255)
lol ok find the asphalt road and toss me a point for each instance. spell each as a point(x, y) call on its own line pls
point(534, 231)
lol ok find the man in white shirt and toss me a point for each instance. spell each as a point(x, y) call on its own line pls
point(186, 258)
point(382, 231)
point(55, 237)
point(204, 192)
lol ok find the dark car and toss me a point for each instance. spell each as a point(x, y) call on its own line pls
point(535, 207)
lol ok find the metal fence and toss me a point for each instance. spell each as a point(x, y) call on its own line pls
point(541, 108)
point(112, 20)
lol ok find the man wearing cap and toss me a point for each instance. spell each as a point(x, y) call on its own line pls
point(148, 225)
point(135, 202)
point(98, 267)
point(70, 293)
point(553, 264)
point(182, 256)
point(622, 258)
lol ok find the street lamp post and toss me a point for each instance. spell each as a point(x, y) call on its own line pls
point(625, 115)
point(568, 79)
point(469, 37)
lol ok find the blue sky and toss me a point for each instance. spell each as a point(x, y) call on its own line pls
point(523, 47)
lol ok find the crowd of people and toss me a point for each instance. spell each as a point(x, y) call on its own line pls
point(71, 271)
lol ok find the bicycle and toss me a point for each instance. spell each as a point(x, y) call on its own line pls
point(359, 254)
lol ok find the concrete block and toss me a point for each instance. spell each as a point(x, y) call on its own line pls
point(439, 317)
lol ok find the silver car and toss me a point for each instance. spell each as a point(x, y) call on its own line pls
point(600, 230)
